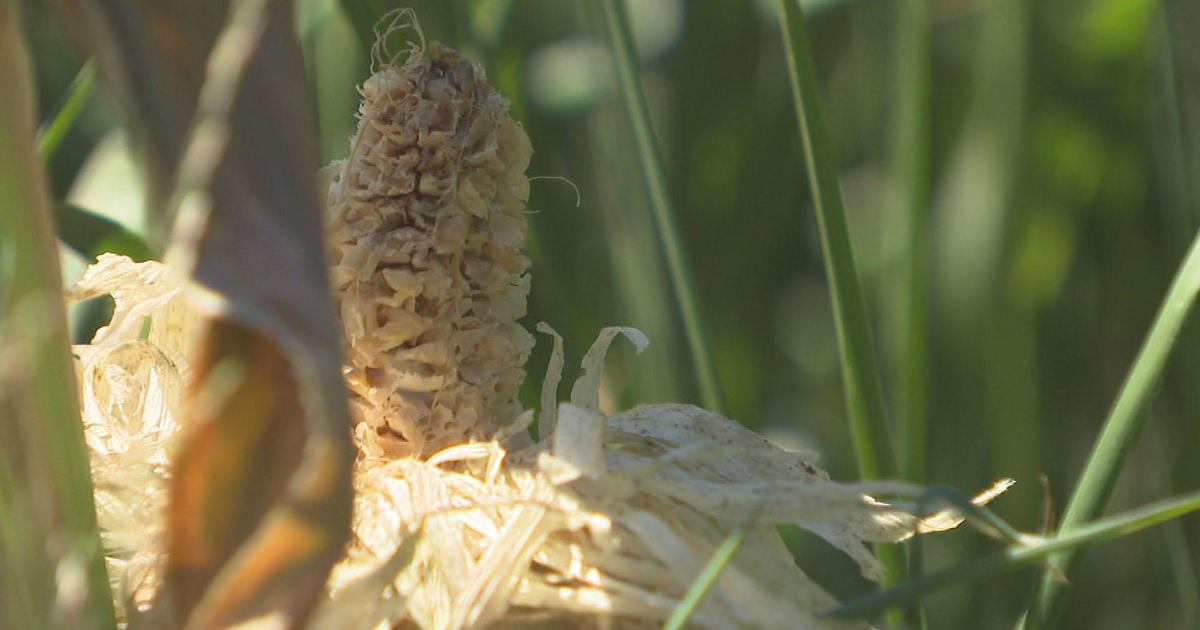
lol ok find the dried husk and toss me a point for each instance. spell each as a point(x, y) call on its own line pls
point(609, 519)
point(130, 393)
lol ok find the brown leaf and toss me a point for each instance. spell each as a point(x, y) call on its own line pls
point(261, 495)
point(236, 462)
point(242, 541)
point(257, 521)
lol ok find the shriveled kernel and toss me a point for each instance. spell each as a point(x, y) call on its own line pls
point(425, 229)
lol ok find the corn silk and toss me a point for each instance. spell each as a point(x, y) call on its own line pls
point(461, 519)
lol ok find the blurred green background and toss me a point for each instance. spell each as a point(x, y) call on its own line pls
point(1061, 157)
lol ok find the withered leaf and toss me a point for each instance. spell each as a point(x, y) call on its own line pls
point(260, 494)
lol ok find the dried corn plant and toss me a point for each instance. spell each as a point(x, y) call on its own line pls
point(460, 520)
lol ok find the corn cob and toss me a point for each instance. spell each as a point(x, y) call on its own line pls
point(425, 229)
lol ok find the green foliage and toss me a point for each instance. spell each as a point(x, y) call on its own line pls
point(860, 372)
point(1029, 172)
point(91, 234)
point(707, 577)
point(1021, 553)
point(660, 205)
point(48, 530)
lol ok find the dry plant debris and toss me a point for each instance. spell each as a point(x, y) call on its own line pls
point(460, 520)
point(131, 389)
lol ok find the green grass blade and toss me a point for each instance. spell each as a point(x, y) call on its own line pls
point(660, 204)
point(93, 234)
point(911, 172)
point(817, 7)
point(1181, 210)
point(639, 272)
point(860, 372)
point(23, 578)
point(48, 519)
point(708, 576)
point(1182, 218)
point(82, 87)
point(1016, 556)
point(334, 59)
point(1121, 428)
point(1183, 574)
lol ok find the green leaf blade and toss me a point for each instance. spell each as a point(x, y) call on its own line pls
point(48, 519)
point(1120, 430)
point(661, 207)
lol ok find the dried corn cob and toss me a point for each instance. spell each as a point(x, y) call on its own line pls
point(426, 225)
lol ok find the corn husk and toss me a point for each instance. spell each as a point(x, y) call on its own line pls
point(130, 392)
point(609, 519)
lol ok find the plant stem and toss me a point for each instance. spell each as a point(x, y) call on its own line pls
point(864, 395)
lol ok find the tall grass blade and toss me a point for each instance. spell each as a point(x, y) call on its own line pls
point(82, 87)
point(864, 396)
point(708, 576)
point(1018, 555)
point(910, 172)
point(660, 204)
point(334, 58)
point(1183, 574)
point(860, 372)
point(1121, 428)
point(91, 234)
point(1176, 163)
point(1182, 214)
point(51, 565)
